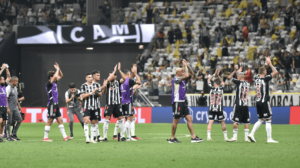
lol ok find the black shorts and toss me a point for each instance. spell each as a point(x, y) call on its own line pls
point(127, 110)
point(213, 114)
point(114, 109)
point(53, 111)
point(3, 113)
point(93, 114)
point(160, 39)
point(264, 110)
point(240, 114)
point(180, 110)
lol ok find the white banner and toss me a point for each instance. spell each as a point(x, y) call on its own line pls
point(276, 99)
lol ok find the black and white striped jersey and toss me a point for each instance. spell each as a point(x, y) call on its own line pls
point(113, 93)
point(242, 90)
point(92, 102)
point(262, 88)
point(216, 98)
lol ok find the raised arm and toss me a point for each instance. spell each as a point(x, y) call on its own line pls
point(60, 74)
point(231, 75)
point(274, 71)
point(121, 73)
point(186, 73)
point(111, 76)
point(134, 71)
point(8, 77)
point(2, 68)
point(55, 76)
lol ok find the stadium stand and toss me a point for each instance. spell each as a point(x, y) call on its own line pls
point(219, 34)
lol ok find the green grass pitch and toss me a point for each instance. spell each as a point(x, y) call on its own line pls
point(153, 150)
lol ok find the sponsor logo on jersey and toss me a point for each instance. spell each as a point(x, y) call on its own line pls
point(265, 114)
point(237, 119)
point(210, 116)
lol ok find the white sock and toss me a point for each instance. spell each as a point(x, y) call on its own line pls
point(86, 130)
point(93, 131)
point(121, 126)
point(97, 130)
point(255, 127)
point(47, 130)
point(116, 128)
point(246, 133)
point(208, 134)
point(105, 128)
point(133, 127)
point(269, 129)
point(235, 132)
point(225, 135)
point(62, 130)
point(128, 128)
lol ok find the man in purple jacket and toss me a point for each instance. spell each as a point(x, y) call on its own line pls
point(179, 106)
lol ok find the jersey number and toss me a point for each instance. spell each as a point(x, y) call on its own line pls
point(258, 91)
point(215, 99)
point(245, 94)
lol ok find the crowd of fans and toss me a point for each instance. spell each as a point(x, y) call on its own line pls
point(42, 12)
point(206, 41)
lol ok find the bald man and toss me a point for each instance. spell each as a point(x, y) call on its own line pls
point(179, 106)
point(240, 110)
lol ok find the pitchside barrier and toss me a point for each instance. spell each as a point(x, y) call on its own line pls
point(281, 115)
point(276, 99)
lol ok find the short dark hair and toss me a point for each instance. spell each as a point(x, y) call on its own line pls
point(50, 74)
point(95, 72)
point(72, 85)
point(88, 74)
point(217, 81)
point(126, 71)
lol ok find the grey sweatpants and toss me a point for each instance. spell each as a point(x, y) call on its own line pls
point(13, 116)
point(79, 115)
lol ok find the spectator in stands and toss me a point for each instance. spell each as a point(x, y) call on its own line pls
point(283, 82)
point(32, 17)
point(149, 85)
point(20, 19)
point(171, 35)
point(168, 10)
point(175, 9)
point(108, 13)
point(201, 52)
point(52, 18)
point(155, 56)
point(263, 25)
point(192, 85)
point(225, 48)
point(121, 16)
point(165, 63)
point(248, 75)
point(225, 72)
point(245, 33)
point(42, 17)
point(183, 55)
point(52, 4)
point(276, 62)
point(200, 75)
point(287, 61)
point(130, 18)
point(69, 17)
point(155, 85)
point(138, 14)
point(149, 10)
point(213, 63)
point(235, 20)
point(288, 16)
point(82, 2)
point(1, 33)
point(13, 11)
point(188, 34)
point(218, 33)
point(204, 35)
point(161, 84)
point(178, 33)
point(254, 20)
point(101, 17)
point(8, 14)
point(161, 39)
point(206, 87)
point(202, 100)
point(168, 85)
point(296, 62)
